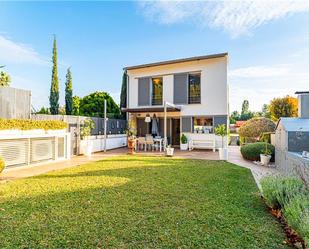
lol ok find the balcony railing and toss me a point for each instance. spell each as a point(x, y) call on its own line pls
point(157, 100)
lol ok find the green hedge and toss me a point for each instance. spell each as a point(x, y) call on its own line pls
point(1, 165)
point(28, 124)
point(252, 151)
point(290, 195)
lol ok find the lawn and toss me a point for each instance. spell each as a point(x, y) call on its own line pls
point(138, 202)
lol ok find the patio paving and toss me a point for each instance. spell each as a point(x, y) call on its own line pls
point(235, 157)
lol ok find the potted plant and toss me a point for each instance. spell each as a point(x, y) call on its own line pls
point(266, 155)
point(169, 150)
point(220, 130)
point(131, 141)
point(88, 125)
point(184, 142)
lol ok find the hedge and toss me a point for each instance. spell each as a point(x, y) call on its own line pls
point(1, 165)
point(252, 151)
point(28, 124)
point(290, 195)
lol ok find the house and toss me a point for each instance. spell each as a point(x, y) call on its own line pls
point(193, 90)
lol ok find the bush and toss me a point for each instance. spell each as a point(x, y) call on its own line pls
point(278, 190)
point(184, 139)
point(252, 151)
point(29, 124)
point(296, 213)
point(2, 165)
point(254, 127)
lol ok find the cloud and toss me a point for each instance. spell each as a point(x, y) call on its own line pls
point(260, 71)
point(235, 17)
point(13, 52)
point(261, 83)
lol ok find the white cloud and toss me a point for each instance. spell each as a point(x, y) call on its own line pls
point(13, 52)
point(234, 17)
point(260, 71)
point(260, 84)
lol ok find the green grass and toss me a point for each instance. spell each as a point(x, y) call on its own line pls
point(138, 202)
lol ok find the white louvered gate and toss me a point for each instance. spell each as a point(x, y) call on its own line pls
point(25, 150)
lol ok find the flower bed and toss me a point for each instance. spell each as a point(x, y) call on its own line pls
point(288, 198)
point(28, 124)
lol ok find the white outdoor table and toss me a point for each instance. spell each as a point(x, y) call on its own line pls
point(159, 140)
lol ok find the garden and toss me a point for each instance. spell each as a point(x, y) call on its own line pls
point(139, 202)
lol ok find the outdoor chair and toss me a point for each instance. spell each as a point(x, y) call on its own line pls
point(141, 143)
point(149, 142)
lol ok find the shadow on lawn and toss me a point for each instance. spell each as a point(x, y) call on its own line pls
point(167, 203)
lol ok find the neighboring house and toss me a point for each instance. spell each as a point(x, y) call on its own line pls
point(198, 88)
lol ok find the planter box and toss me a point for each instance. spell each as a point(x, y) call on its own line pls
point(183, 146)
point(10, 132)
point(51, 132)
point(33, 132)
point(170, 152)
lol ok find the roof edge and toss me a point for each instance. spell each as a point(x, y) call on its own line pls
point(160, 63)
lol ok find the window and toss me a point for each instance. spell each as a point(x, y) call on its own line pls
point(203, 125)
point(194, 91)
point(157, 91)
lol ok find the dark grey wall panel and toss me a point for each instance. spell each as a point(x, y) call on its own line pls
point(218, 120)
point(181, 88)
point(304, 105)
point(186, 124)
point(298, 142)
point(144, 91)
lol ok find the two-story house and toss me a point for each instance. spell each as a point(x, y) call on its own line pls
point(197, 87)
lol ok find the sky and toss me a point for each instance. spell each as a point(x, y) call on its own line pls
point(267, 42)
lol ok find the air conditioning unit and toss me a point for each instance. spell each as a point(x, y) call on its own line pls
point(42, 149)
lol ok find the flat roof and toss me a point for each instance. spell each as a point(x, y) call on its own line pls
point(151, 109)
point(196, 58)
point(301, 92)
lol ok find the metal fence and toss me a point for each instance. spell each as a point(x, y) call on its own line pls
point(14, 103)
point(114, 126)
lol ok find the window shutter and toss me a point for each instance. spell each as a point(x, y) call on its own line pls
point(186, 124)
point(144, 91)
point(218, 120)
point(181, 88)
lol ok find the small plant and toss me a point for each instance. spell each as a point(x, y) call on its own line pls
point(220, 130)
point(2, 165)
point(184, 139)
point(279, 190)
point(88, 125)
point(266, 150)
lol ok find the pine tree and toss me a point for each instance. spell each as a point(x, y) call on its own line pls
point(54, 88)
point(68, 93)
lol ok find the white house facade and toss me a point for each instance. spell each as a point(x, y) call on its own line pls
point(195, 88)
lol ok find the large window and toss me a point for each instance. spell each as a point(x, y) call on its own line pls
point(194, 91)
point(203, 125)
point(157, 91)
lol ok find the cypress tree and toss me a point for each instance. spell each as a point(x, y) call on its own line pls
point(68, 93)
point(123, 94)
point(54, 88)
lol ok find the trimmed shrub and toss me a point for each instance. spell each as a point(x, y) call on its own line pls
point(279, 191)
point(2, 165)
point(29, 124)
point(252, 151)
point(184, 139)
point(296, 213)
point(253, 128)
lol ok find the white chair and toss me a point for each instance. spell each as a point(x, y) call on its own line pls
point(141, 143)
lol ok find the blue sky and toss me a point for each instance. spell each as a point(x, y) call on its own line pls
point(268, 43)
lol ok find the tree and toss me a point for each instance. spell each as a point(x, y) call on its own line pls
point(5, 79)
point(123, 94)
point(75, 105)
point(92, 105)
point(68, 93)
point(254, 127)
point(283, 107)
point(43, 110)
point(235, 116)
point(245, 107)
point(54, 88)
point(265, 111)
